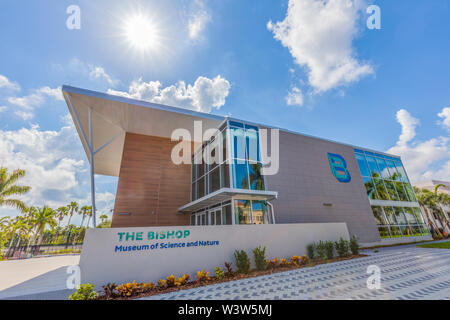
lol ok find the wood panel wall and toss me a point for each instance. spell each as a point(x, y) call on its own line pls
point(150, 187)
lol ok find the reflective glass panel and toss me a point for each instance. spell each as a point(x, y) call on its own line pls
point(401, 171)
point(383, 168)
point(409, 215)
point(259, 209)
point(401, 191)
point(406, 231)
point(410, 192)
point(242, 211)
point(240, 174)
point(399, 216)
point(395, 232)
point(378, 215)
point(391, 190)
point(381, 190)
point(256, 179)
point(238, 143)
point(226, 214)
point(373, 167)
point(370, 188)
point(415, 230)
point(252, 141)
point(225, 172)
point(362, 165)
point(418, 215)
point(392, 170)
point(384, 232)
point(214, 180)
point(390, 216)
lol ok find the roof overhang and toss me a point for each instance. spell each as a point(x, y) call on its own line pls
point(225, 194)
point(113, 116)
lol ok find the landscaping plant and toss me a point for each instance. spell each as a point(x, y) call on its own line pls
point(220, 274)
point(297, 260)
point(109, 290)
point(342, 247)
point(84, 292)
point(329, 250)
point(321, 250)
point(310, 250)
point(260, 258)
point(229, 272)
point(242, 261)
point(202, 275)
point(354, 245)
point(273, 264)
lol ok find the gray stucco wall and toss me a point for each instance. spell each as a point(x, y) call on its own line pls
point(305, 182)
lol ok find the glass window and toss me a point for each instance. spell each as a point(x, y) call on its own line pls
point(255, 176)
point(226, 214)
point(406, 231)
point(192, 219)
point(415, 230)
point(238, 143)
point(194, 191)
point(409, 215)
point(379, 215)
point(201, 187)
point(391, 190)
point(224, 145)
point(370, 188)
point(383, 168)
point(395, 232)
point(373, 167)
point(214, 180)
point(381, 190)
point(212, 218)
point(242, 211)
point(240, 174)
point(418, 214)
point(392, 170)
point(362, 165)
point(390, 216)
point(225, 172)
point(410, 192)
point(401, 191)
point(252, 141)
point(424, 230)
point(401, 171)
point(259, 209)
point(384, 232)
point(399, 216)
point(218, 217)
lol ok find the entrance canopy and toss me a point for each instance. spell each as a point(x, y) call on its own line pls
point(113, 116)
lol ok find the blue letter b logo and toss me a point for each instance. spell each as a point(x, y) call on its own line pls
point(339, 167)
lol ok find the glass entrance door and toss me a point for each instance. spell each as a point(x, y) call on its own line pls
point(215, 216)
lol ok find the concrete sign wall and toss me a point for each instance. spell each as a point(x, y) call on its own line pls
point(151, 253)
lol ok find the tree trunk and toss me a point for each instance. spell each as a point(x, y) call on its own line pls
point(89, 220)
point(431, 223)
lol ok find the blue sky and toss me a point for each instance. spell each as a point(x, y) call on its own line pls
point(382, 89)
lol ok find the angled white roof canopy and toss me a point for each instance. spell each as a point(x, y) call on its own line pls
point(113, 116)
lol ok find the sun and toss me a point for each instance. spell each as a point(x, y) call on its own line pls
point(141, 32)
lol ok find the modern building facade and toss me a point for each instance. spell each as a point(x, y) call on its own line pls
point(225, 180)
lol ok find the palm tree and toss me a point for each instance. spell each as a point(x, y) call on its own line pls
point(9, 188)
point(442, 199)
point(104, 218)
point(89, 215)
point(61, 213)
point(45, 216)
point(72, 207)
point(83, 212)
point(427, 200)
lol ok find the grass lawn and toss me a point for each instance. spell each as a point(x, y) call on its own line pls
point(439, 245)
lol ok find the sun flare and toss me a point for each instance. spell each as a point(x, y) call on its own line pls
point(141, 32)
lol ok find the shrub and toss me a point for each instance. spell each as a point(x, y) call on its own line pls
point(260, 258)
point(84, 292)
point(274, 263)
point(242, 261)
point(342, 247)
point(229, 272)
point(321, 250)
point(354, 245)
point(220, 274)
point(109, 290)
point(310, 250)
point(284, 262)
point(170, 281)
point(202, 275)
point(128, 289)
point(297, 260)
point(329, 249)
point(182, 280)
point(161, 283)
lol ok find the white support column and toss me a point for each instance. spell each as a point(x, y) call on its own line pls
point(92, 156)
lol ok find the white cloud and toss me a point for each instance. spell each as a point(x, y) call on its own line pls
point(294, 97)
point(36, 98)
point(6, 83)
point(204, 95)
point(3, 108)
point(198, 19)
point(24, 114)
point(55, 166)
point(423, 160)
point(92, 71)
point(319, 36)
point(445, 115)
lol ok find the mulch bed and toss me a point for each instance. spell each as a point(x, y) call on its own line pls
point(235, 276)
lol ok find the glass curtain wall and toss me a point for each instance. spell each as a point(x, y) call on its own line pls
point(384, 177)
point(396, 222)
point(251, 212)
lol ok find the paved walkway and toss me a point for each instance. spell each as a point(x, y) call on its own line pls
point(406, 273)
point(37, 278)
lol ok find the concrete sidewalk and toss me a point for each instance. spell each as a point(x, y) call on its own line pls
point(37, 278)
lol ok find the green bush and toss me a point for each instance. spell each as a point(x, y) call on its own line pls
point(242, 261)
point(310, 250)
point(342, 247)
point(354, 246)
point(321, 250)
point(85, 292)
point(229, 272)
point(329, 249)
point(260, 258)
point(220, 274)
